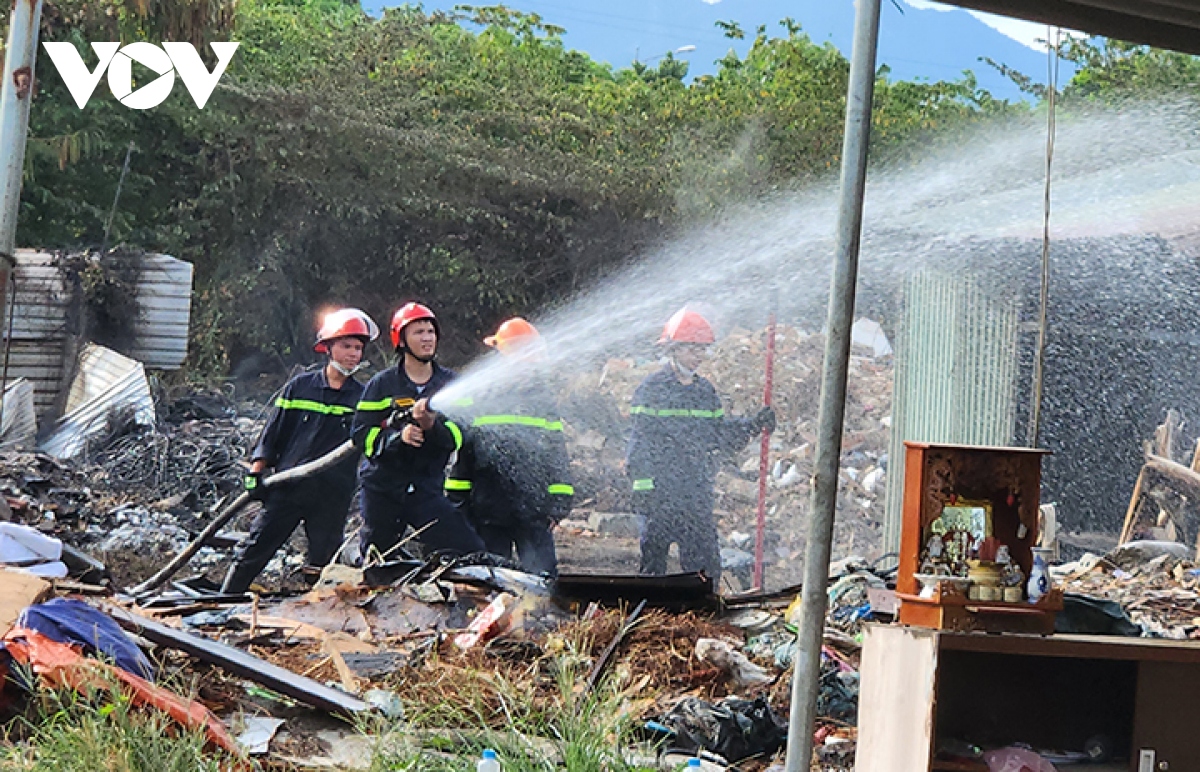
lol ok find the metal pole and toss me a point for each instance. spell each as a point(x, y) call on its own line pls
point(16, 92)
point(112, 213)
point(806, 678)
point(764, 454)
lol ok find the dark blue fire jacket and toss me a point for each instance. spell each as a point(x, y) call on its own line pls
point(310, 419)
point(393, 466)
point(513, 468)
point(679, 433)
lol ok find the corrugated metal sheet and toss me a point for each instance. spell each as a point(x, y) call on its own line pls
point(18, 428)
point(955, 377)
point(164, 312)
point(39, 326)
point(106, 386)
point(43, 302)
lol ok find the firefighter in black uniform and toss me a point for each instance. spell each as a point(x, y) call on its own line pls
point(312, 417)
point(512, 474)
point(408, 445)
point(680, 431)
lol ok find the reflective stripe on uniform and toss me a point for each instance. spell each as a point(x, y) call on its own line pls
point(372, 435)
point(676, 413)
point(379, 404)
point(561, 489)
point(518, 420)
point(645, 484)
point(453, 484)
point(311, 406)
point(454, 430)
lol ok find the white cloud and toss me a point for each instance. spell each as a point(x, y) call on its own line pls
point(1027, 33)
point(710, 2)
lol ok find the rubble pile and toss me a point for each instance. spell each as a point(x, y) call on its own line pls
point(597, 408)
point(40, 491)
point(1157, 588)
point(145, 494)
point(486, 655)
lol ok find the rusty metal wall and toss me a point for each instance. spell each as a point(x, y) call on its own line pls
point(43, 304)
point(39, 326)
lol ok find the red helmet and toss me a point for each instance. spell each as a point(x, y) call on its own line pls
point(687, 327)
point(409, 313)
point(345, 323)
point(513, 334)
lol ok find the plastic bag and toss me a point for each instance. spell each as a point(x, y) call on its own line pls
point(1016, 760)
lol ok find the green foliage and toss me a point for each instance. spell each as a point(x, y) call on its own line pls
point(346, 159)
point(1113, 71)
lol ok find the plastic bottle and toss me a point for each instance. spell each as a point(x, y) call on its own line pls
point(693, 765)
point(489, 762)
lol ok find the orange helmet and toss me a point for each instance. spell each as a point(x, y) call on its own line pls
point(687, 327)
point(409, 313)
point(513, 334)
point(345, 323)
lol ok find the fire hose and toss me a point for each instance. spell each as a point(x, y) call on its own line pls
point(328, 461)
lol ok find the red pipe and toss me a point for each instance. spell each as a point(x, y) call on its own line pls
point(764, 451)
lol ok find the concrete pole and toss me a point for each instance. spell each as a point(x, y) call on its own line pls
point(16, 92)
point(823, 504)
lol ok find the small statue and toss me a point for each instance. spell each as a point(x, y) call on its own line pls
point(934, 562)
point(1011, 573)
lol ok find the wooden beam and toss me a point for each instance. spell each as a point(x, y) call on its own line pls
point(1176, 472)
point(239, 663)
point(1131, 512)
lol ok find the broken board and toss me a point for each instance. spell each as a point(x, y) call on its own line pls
point(239, 663)
point(19, 590)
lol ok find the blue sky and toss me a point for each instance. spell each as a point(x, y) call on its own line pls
point(918, 39)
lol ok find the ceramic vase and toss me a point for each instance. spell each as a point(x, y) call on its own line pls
point(1039, 575)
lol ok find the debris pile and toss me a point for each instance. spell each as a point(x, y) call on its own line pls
point(472, 650)
point(1156, 585)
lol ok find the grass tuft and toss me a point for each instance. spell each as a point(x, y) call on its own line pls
point(101, 731)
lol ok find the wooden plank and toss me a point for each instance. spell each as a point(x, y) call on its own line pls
point(1080, 646)
point(1131, 512)
point(1176, 472)
point(239, 663)
point(19, 589)
point(339, 643)
point(1164, 435)
point(895, 713)
point(1195, 465)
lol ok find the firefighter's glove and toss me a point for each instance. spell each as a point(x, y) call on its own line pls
point(253, 484)
point(764, 419)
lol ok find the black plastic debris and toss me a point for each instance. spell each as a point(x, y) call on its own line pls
point(733, 728)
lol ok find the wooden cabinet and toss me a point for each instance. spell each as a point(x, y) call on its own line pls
point(1003, 481)
point(921, 688)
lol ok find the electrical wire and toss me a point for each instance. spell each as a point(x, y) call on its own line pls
point(1053, 41)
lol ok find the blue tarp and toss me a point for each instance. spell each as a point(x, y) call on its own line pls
point(68, 620)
